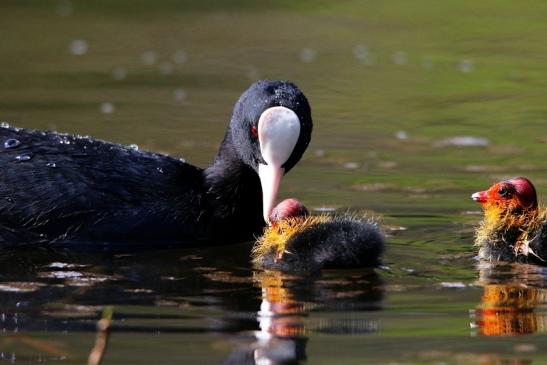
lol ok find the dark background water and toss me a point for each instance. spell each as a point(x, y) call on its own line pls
point(392, 84)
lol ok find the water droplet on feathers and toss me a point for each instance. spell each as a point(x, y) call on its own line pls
point(23, 157)
point(11, 143)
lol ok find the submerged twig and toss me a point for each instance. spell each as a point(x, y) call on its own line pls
point(101, 340)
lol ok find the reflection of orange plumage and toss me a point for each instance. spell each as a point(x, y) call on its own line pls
point(280, 307)
point(513, 228)
point(296, 241)
point(511, 298)
point(509, 310)
point(502, 323)
point(275, 293)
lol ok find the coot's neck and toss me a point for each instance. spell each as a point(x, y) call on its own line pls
point(233, 191)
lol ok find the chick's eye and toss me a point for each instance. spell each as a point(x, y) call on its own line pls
point(502, 191)
point(254, 131)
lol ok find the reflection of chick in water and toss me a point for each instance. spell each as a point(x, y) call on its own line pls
point(288, 305)
point(281, 339)
point(279, 310)
point(509, 310)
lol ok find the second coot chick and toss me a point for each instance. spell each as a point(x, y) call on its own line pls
point(297, 241)
point(513, 229)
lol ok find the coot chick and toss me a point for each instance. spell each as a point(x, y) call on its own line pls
point(513, 229)
point(66, 189)
point(297, 241)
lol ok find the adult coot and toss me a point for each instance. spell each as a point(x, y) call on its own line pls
point(513, 229)
point(59, 188)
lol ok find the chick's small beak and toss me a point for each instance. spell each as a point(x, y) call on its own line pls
point(480, 197)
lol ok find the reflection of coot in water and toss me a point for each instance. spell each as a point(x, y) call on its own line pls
point(512, 301)
point(292, 307)
point(44, 285)
point(185, 293)
point(296, 241)
point(510, 310)
point(60, 188)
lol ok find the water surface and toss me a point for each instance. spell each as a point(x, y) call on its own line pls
point(416, 106)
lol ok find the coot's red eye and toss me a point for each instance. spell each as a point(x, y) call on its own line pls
point(254, 131)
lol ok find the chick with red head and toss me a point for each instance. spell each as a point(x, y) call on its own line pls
point(514, 228)
point(297, 241)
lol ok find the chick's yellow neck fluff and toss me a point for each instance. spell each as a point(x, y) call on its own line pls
point(509, 225)
point(277, 235)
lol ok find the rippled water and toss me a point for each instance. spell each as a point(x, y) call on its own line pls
point(416, 106)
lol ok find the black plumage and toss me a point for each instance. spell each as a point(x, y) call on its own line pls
point(59, 188)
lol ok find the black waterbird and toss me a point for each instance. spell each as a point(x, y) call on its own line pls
point(65, 189)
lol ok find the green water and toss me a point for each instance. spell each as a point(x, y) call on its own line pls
point(390, 83)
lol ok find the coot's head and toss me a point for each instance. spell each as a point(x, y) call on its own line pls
point(516, 195)
point(271, 128)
